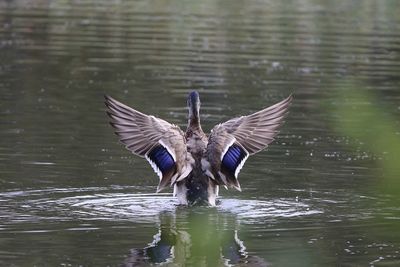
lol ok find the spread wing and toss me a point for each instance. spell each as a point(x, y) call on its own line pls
point(161, 143)
point(232, 142)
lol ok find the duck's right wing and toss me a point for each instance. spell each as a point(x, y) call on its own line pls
point(161, 143)
point(232, 142)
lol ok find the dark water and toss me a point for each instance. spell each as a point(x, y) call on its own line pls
point(70, 195)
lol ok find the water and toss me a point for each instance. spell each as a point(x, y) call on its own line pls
point(72, 196)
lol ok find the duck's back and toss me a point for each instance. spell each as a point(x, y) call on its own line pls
point(197, 187)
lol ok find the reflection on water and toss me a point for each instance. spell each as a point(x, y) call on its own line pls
point(185, 236)
point(237, 231)
point(197, 237)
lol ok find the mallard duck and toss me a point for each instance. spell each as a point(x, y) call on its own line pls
point(195, 164)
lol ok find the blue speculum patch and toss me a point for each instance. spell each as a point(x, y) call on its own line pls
point(232, 158)
point(161, 157)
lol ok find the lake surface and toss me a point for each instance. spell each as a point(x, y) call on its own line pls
point(71, 195)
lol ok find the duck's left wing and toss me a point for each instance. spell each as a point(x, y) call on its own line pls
point(161, 143)
point(231, 143)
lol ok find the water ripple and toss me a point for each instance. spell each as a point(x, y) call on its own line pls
point(101, 204)
point(116, 204)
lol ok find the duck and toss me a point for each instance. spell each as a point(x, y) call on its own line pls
point(196, 165)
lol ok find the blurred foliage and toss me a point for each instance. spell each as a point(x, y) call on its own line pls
point(373, 127)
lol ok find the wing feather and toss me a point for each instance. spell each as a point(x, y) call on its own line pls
point(240, 137)
point(152, 138)
point(254, 132)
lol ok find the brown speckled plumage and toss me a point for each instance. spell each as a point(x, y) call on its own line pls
point(190, 162)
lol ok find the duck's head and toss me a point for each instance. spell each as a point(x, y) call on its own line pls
point(193, 103)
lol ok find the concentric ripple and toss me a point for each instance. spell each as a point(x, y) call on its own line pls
point(119, 204)
point(102, 204)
